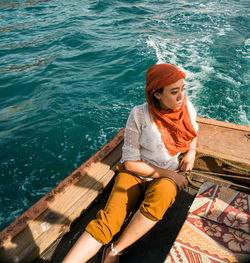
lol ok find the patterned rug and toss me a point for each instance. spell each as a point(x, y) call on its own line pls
point(216, 229)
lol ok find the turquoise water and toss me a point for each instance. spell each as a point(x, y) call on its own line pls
point(70, 71)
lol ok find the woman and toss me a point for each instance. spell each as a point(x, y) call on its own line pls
point(155, 135)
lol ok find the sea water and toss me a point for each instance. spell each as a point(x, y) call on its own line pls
point(71, 70)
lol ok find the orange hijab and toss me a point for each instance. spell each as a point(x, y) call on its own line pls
point(175, 127)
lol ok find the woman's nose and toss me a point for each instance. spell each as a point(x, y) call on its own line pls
point(180, 95)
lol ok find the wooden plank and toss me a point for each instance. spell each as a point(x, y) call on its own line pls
point(56, 219)
point(53, 223)
point(70, 215)
point(200, 178)
point(228, 141)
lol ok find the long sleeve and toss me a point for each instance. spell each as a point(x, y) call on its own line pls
point(131, 146)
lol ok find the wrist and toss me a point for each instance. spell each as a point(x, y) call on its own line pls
point(192, 149)
point(172, 176)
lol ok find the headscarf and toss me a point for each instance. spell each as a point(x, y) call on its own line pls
point(175, 127)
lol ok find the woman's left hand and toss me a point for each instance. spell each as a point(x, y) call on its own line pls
point(187, 163)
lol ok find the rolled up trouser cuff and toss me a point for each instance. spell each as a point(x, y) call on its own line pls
point(99, 230)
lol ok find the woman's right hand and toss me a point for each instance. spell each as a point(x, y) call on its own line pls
point(180, 181)
point(147, 170)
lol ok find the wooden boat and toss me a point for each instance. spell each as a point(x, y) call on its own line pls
point(41, 233)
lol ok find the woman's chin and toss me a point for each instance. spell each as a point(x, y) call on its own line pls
point(177, 108)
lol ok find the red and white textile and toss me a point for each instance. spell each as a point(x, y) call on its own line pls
point(217, 228)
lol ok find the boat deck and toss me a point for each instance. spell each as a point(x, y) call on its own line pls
point(153, 247)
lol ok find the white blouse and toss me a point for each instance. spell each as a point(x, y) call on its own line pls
point(143, 142)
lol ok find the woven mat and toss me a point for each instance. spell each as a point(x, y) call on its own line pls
point(216, 229)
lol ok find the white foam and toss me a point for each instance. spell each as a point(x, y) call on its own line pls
point(165, 50)
point(157, 45)
point(247, 42)
point(195, 56)
point(243, 116)
point(171, 51)
point(229, 99)
point(221, 32)
point(228, 78)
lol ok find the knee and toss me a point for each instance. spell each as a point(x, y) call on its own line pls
point(159, 197)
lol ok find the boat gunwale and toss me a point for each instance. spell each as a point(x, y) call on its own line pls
point(20, 223)
point(224, 124)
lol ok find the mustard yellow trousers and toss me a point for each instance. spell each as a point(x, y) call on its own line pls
point(156, 195)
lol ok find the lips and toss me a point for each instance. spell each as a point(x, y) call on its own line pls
point(179, 104)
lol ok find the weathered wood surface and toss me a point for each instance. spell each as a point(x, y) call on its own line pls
point(50, 218)
point(226, 140)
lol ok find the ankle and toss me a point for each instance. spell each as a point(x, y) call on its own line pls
point(115, 250)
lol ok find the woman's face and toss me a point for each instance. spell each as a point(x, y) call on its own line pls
point(172, 96)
